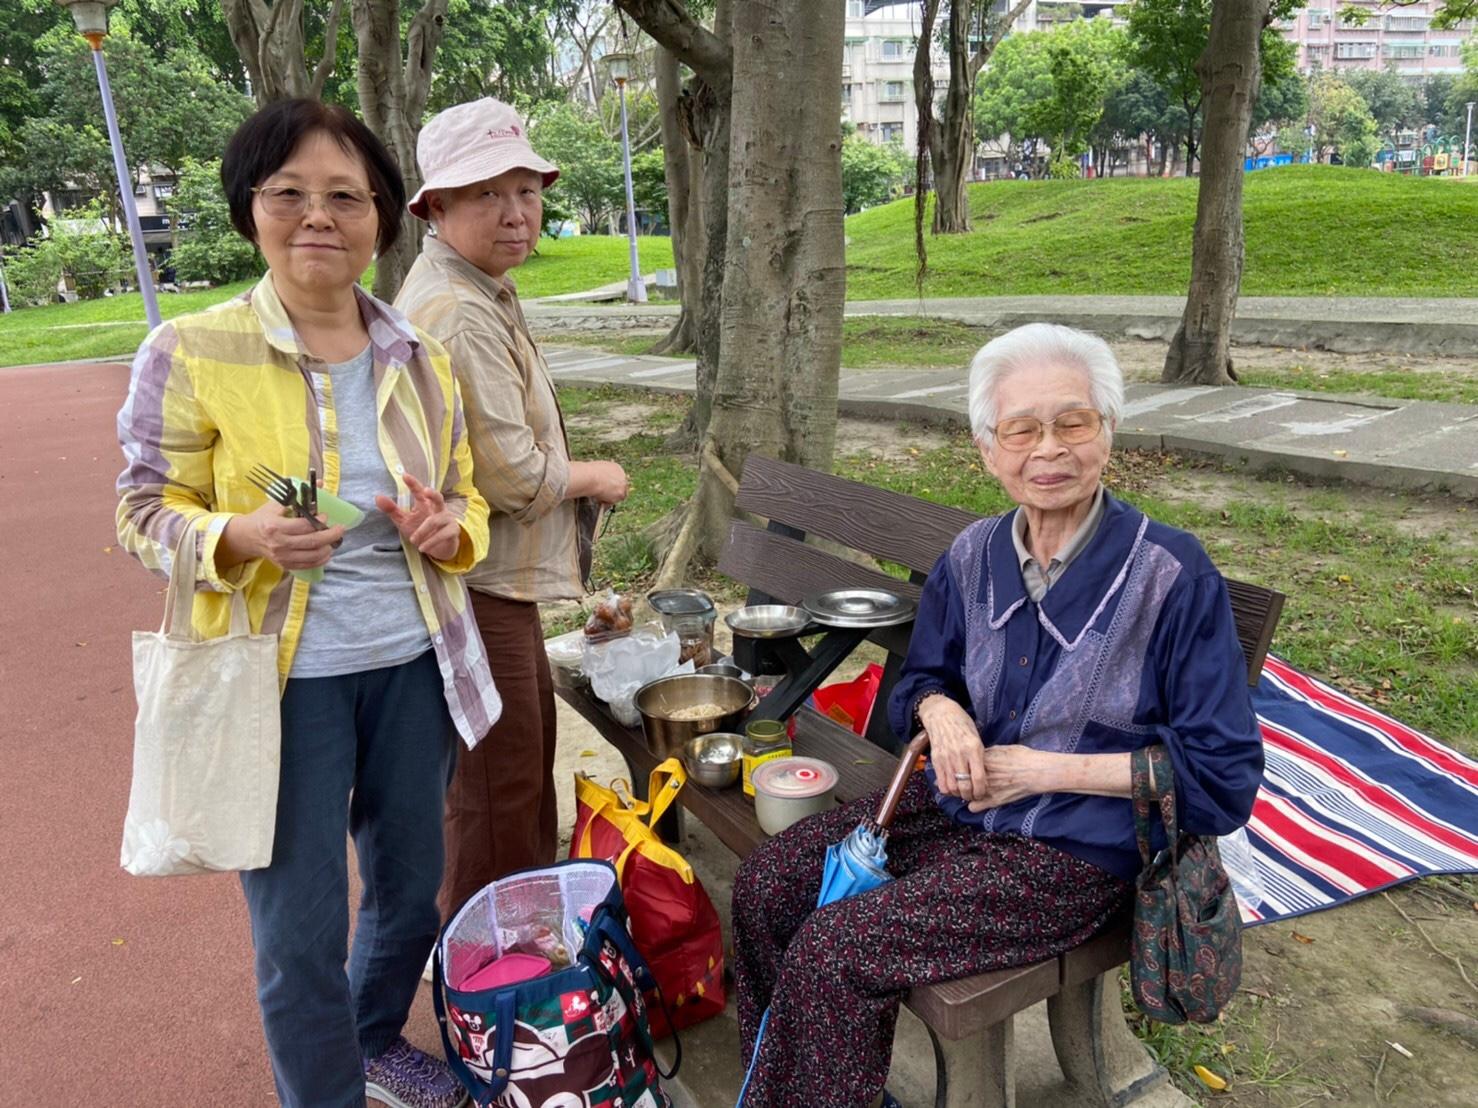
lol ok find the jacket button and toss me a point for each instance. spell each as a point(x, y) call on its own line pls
point(1023, 660)
point(1011, 714)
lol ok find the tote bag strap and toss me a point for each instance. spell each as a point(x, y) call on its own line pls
point(505, 1009)
point(1152, 782)
point(179, 598)
point(666, 781)
point(646, 981)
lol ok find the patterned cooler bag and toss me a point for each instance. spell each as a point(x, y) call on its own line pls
point(538, 990)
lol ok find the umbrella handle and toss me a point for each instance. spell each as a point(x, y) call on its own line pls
point(906, 765)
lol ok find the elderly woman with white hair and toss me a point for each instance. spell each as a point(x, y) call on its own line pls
point(1050, 643)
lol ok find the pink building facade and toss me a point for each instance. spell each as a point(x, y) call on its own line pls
point(1400, 37)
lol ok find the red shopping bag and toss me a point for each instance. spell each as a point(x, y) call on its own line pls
point(673, 922)
point(850, 703)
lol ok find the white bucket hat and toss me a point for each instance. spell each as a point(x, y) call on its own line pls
point(470, 143)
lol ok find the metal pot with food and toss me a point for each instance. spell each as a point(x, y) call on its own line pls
point(678, 708)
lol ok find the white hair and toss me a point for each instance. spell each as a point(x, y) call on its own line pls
point(1036, 346)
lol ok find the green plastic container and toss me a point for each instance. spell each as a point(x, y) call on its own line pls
point(337, 511)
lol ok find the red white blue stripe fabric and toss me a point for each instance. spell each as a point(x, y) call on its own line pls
point(1352, 801)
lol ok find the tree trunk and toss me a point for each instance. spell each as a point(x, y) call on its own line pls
point(784, 286)
point(392, 99)
point(705, 120)
point(269, 38)
point(1230, 70)
point(951, 139)
point(681, 164)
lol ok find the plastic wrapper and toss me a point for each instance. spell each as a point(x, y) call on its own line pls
point(611, 618)
point(1241, 866)
point(618, 667)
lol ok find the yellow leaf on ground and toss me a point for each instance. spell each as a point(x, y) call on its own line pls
point(1343, 578)
point(1302, 938)
point(117, 942)
point(587, 754)
point(1211, 1080)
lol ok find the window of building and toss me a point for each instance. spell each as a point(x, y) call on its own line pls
point(894, 50)
point(1407, 22)
point(854, 9)
point(164, 191)
point(893, 91)
point(892, 132)
point(1317, 19)
point(1354, 49)
point(1403, 50)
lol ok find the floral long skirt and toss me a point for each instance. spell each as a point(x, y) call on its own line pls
point(962, 902)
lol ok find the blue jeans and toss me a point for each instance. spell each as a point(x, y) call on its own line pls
point(368, 754)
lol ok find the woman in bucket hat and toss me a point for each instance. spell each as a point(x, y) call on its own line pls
point(483, 196)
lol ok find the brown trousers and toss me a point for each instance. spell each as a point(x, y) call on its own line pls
point(501, 810)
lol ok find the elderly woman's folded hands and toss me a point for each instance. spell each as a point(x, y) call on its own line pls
point(954, 747)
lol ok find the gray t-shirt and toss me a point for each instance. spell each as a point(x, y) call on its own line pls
point(363, 614)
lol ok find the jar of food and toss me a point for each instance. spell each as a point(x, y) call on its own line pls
point(764, 741)
point(690, 614)
point(790, 789)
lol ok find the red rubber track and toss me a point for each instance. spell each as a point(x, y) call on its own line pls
point(118, 991)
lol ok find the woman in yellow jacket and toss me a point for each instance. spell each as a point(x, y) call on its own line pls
point(381, 664)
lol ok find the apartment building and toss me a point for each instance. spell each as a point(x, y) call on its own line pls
point(1402, 38)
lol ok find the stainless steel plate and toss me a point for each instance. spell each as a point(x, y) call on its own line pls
point(859, 608)
point(768, 621)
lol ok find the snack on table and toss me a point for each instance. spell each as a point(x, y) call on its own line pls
point(612, 616)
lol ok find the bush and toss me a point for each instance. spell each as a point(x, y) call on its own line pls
point(208, 249)
point(32, 273)
point(79, 249)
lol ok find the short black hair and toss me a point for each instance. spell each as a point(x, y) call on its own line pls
point(262, 144)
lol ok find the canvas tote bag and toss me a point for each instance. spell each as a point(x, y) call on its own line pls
point(206, 743)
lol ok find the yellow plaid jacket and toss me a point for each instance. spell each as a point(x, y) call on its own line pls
point(214, 393)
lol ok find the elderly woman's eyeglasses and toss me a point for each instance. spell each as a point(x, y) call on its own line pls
point(290, 202)
point(1024, 432)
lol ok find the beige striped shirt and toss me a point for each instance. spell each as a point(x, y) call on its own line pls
point(520, 455)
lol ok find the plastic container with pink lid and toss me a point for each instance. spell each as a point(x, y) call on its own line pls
point(790, 789)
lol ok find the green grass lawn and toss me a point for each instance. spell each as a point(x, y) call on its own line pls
point(114, 327)
point(1311, 231)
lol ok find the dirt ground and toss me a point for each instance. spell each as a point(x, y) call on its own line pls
point(1360, 1005)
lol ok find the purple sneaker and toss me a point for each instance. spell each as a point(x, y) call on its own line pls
point(404, 1077)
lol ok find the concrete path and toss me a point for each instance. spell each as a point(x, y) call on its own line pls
point(1347, 325)
point(1412, 444)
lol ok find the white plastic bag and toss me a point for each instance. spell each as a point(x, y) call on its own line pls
point(619, 667)
point(1241, 866)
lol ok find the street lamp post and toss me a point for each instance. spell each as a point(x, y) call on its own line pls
point(619, 67)
point(1467, 137)
point(91, 17)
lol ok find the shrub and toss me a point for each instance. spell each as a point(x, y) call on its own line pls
point(208, 248)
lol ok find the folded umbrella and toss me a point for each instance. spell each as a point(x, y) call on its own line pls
point(857, 863)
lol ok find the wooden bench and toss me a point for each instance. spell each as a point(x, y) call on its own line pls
point(970, 1020)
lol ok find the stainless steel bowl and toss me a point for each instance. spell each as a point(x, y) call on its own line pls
point(723, 669)
point(658, 700)
point(769, 621)
point(714, 760)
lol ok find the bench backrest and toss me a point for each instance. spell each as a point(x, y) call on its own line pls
point(798, 503)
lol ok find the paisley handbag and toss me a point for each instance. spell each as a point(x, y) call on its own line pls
point(1185, 958)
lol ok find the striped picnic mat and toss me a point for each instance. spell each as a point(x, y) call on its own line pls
point(1352, 801)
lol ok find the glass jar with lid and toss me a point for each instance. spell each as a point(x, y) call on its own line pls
point(690, 614)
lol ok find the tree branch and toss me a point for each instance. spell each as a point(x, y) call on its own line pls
point(701, 50)
point(325, 67)
point(982, 55)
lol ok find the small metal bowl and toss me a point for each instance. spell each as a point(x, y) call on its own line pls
point(714, 760)
point(769, 621)
point(722, 669)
